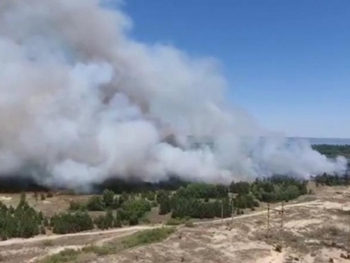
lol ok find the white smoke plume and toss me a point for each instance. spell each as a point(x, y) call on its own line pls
point(81, 102)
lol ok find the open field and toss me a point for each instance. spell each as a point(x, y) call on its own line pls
point(315, 229)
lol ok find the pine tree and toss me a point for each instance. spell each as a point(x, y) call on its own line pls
point(22, 199)
point(42, 230)
point(164, 205)
point(108, 198)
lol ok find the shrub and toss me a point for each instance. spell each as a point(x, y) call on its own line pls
point(48, 243)
point(42, 230)
point(66, 255)
point(145, 220)
point(100, 250)
point(189, 224)
point(95, 203)
point(174, 222)
point(134, 220)
point(148, 236)
point(117, 223)
point(22, 199)
point(71, 223)
point(74, 206)
point(256, 203)
point(108, 198)
point(105, 221)
point(49, 195)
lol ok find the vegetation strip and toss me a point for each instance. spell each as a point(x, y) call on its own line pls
point(144, 237)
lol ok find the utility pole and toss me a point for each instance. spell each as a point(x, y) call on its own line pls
point(348, 246)
point(282, 223)
point(232, 210)
point(222, 211)
point(268, 221)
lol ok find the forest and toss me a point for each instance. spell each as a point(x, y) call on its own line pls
point(126, 203)
point(193, 200)
point(333, 150)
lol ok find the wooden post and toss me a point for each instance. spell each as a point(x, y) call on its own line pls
point(222, 211)
point(268, 221)
point(282, 223)
point(232, 211)
point(348, 247)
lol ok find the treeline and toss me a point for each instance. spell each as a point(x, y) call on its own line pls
point(20, 183)
point(333, 150)
point(22, 221)
point(196, 200)
point(331, 180)
point(130, 208)
point(209, 201)
point(25, 222)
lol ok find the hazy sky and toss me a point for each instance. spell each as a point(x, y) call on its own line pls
point(287, 61)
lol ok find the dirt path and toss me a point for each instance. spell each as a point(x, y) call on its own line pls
point(131, 230)
point(53, 237)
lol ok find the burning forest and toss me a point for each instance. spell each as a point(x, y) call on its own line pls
point(82, 102)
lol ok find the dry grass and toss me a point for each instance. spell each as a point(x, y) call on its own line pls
point(67, 255)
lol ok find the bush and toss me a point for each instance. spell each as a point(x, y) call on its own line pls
point(108, 198)
point(95, 203)
point(71, 223)
point(117, 223)
point(151, 196)
point(174, 222)
point(49, 195)
point(42, 230)
point(100, 250)
point(66, 255)
point(42, 197)
point(189, 224)
point(145, 220)
point(148, 236)
point(133, 210)
point(47, 243)
point(105, 221)
point(75, 206)
point(134, 220)
point(256, 203)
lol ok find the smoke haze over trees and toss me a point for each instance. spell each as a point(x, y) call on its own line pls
point(81, 102)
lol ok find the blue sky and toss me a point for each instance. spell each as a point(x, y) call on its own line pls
point(287, 61)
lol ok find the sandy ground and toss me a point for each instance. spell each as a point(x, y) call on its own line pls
point(315, 230)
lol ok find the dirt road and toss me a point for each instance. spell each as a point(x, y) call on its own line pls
point(91, 233)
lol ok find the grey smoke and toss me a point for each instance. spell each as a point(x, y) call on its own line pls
point(80, 102)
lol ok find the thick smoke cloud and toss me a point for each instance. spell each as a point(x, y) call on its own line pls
point(81, 102)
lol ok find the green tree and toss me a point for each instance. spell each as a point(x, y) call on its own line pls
point(108, 198)
point(95, 203)
point(164, 205)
